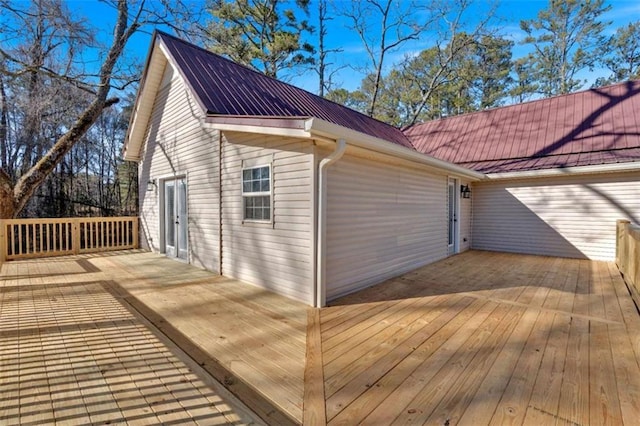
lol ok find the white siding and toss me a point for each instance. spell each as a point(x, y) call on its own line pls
point(382, 220)
point(176, 144)
point(569, 217)
point(276, 256)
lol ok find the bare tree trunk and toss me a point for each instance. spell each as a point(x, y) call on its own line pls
point(30, 131)
point(322, 54)
point(13, 201)
point(4, 126)
point(398, 25)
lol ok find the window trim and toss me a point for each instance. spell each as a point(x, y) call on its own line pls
point(246, 195)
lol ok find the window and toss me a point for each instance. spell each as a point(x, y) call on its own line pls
point(256, 193)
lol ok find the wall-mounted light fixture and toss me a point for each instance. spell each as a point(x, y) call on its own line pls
point(151, 185)
point(465, 191)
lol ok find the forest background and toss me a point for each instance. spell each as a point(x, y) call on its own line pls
point(69, 71)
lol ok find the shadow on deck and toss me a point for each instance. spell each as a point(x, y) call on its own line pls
point(485, 338)
point(477, 338)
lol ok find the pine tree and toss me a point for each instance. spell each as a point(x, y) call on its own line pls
point(566, 38)
point(621, 54)
point(260, 34)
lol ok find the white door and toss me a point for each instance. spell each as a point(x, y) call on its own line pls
point(453, 215)
point(175, 218)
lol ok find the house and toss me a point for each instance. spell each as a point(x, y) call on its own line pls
point(264, 182)
point(560, 171)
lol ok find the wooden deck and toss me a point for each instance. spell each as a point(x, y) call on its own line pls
point(73, 352)
point(251, 340)
point(478, 338)
point(485, 338)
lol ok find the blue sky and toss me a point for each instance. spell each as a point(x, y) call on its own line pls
point(509, 14)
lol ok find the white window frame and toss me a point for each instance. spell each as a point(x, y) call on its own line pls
point(246, 195)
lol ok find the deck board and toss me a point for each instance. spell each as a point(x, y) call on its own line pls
point(394, 391)
point(477, 338)
point(524, 340)
point(73, 352)
point(251, 338)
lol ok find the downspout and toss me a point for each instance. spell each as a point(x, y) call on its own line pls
point(321, 289)
point(220, 247)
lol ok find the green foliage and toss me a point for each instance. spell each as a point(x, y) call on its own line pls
point(468, 74)
point(524, 84)
point(621, 55)
point(566, 38)
point(355, 100)
point(260, 34)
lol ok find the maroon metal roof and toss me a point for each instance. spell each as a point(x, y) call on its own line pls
point(597, 126)
point(227, 88)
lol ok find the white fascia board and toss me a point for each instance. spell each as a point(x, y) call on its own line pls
point(144, 104)
point(633, 166)
point(243, 125)
point(274, 131)
point(333, 131)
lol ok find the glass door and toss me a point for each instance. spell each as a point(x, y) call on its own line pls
point(181, 218)
point(453, 216)
point(175, 218)
point(170, 218)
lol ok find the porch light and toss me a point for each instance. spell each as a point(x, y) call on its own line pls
point(465, 191)
point(151, 185)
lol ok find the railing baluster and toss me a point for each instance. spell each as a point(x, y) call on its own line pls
point(32, 238)
point(12, 240)
point(20, 239)
point(86, 235)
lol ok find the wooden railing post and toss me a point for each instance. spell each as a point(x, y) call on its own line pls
point(622, 244)
point(3, 242)
point(76, 235)
point(628, 256)
point(135, 224)
point(633, 255)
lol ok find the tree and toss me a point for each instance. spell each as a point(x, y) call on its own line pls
point(260, 34)
point(58, 96)
point(383, 26)
point(467, 74)
point(566, 39)
point(487, 70)
point(325, 77)
point(523, 86)
point(402, 95)
point(355, 100)
point(4, 121)
point(621, 54)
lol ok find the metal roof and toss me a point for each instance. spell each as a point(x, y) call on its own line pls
point(597, 126)
point(226, 88)
point(594, 127)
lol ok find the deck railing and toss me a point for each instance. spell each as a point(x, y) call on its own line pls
point(628, 255)
point(30, 238)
